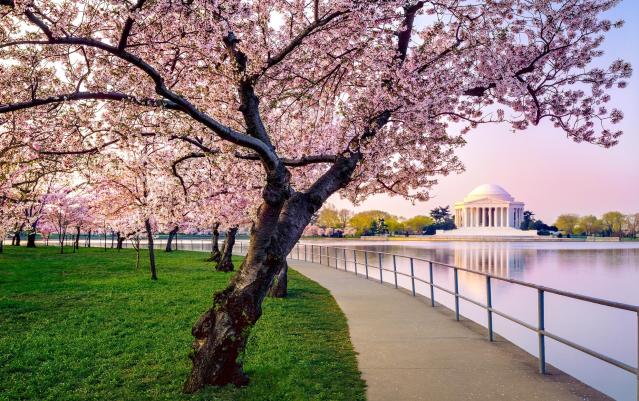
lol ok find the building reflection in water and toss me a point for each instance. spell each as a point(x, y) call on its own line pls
point(497, 258)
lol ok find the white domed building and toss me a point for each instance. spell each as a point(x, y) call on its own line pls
point(489, 210)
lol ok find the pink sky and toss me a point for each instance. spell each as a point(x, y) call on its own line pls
point(543, 168)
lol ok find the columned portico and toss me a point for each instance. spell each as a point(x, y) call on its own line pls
point(489, 210)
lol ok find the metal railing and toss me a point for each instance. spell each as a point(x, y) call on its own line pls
point(337, 257)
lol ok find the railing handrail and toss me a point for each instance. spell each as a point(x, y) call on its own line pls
point(600, 301)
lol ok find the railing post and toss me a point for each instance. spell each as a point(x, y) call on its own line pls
point(241, 247)
point(305, 253)
point(366, 263)
point(432, 282)
point(412, 276)
point(355, 260)
point(320, 254)
point(381, 277)
point(395, 269)
point(540, 328)
point(312, 253)
point(345, 265)
point(456, 294)
point(489, 307)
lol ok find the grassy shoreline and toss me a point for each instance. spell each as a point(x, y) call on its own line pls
point(89, 326)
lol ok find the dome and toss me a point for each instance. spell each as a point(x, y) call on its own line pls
point(492, 191)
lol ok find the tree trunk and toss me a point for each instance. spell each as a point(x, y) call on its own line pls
point(226, 263)
point(31, 237)
point(279, 287)
point(149, 236)
point(1, 246)
point(31, 240)
point(120, 241)
point(61, 239)
point(221, 332)
point(216, 255)
point(76, 244)
point(88, 243)
point(169, 241)
point(17, 238)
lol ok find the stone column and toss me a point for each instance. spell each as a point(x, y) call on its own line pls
point(508, 217)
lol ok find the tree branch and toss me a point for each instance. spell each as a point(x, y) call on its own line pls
point(128, 25)
point(180, 160)
point(317, 23)
point(291, 162)
point(115, 96)
point(266, 152)
point(94, 149)
point(404, 35)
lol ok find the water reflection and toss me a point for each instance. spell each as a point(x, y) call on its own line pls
point(495, 258)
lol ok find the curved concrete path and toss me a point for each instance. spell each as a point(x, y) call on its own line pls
point(410, 351)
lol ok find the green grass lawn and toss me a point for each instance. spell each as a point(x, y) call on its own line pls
point(88, 326)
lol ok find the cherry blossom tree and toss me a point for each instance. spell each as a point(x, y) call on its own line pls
point(64, 209)
point(313, 98)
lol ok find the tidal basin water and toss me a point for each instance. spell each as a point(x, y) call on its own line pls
point(603, 270)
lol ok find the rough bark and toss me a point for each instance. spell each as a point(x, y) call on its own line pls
point(88, 242)
point(221, 333)
point(279, 287)
point(216, 255)
point(1, 246)
point(169, 242)
point(226, 263)
point(149, 237)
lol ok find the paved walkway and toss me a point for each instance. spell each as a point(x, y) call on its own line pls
point(410, 351)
